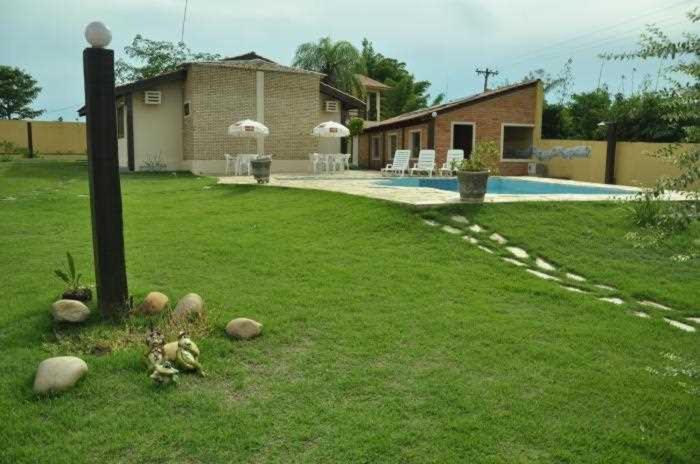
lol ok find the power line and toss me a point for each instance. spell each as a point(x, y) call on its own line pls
point(184, 18)
point(62, 109)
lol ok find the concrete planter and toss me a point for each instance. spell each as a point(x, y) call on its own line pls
point(261, 169)
point(472, 185)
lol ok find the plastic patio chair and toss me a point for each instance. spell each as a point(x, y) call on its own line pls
point(400, 163)
point(454, 157)
point(426, 163)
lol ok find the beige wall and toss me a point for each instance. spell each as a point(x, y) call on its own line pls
point(327, 144)
point(583, 169)
point(48, 137)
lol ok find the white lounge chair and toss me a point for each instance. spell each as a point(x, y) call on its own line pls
point(346, 160)
point(400, 163)
point(426, 162)
point(454, 158)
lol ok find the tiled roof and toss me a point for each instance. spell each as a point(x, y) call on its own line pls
point(424, 112)
point(370, 83)
point(258, 64)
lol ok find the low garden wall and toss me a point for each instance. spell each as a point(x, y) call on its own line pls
point(48, 137)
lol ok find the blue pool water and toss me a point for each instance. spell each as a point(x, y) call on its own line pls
point(507, 186)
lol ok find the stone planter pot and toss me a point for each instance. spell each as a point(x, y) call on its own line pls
point(472, 185)
point(80, 294)
point(261, 169)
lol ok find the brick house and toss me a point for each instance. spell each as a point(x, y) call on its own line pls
point(180, 119)
point(511, 116)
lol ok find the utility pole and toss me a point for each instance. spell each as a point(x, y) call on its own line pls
point(486, 72)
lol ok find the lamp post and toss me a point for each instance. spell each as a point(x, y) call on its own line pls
point(611, 149)
point(103, 169)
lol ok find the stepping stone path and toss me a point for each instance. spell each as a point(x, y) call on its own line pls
point(641, 314)
point(544, 265)
point(575, 277)
point(693, 319)
point(460, 219)
point(513, 261)
point(680, 325)
point(653, 304)
point(605, 287)
point(518, 252)
point(451, 230)
point(573, 289)
point(470, 239)
point(612, 300)
point(498, 239)
point(487, 250)
point(476, 228)
point(542, 275)
point(430, 223)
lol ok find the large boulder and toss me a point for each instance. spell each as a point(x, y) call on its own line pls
point(69, 311)
point(189, 305)
point(154, 303)
point(59, 374)
point(243, 328)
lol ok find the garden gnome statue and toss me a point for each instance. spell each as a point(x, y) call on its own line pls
point(162, 372)
point(187, 354)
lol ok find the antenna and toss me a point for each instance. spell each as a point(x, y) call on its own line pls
point(486, 72)
point(184, 18)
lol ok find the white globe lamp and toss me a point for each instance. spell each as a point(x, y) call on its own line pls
point(97, 34)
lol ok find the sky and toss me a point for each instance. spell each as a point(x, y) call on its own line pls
point(442, 41)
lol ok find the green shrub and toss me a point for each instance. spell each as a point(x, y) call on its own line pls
point(485, 157)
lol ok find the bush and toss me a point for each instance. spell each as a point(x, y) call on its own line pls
point(485, 157)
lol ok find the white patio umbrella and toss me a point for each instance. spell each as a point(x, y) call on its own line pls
point(248, 128)
point(330, 129)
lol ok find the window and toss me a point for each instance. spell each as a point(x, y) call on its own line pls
point(376, 147)
point(415, 143)
point(463, 137)
point(120, 121)
point(516, 142)
point(392, 144)
point(186, 109)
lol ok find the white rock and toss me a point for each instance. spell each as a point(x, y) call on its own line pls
point(476, 228)
point(542, 275)
point(498, 238)
point(612, 300)
point(575, 277)
point(573, 289)
point(544, 265)
point(605, 287)
point(430, 223)
point(243, 328)
point(641, 314)
point(653, 304)
point(460, 219)
point(189, 305)
point(517, 252)
point(693, 319)
point(487, 250)
point(69, 311)
point(154, 303)
point(451, 230)
point(680, 325)
point(470, 239)
point(58, 374)
point(513, 261)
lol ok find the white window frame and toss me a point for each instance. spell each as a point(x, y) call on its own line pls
point(463, 123)
point(388, 143)
point(375, 156)
point(503, 135)
point(410, 140)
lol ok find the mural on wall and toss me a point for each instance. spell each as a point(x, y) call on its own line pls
point(579, 151)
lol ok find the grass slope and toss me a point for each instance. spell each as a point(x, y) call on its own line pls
point(385, 340)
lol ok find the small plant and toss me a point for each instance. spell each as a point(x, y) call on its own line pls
point(484, 158)
point(71, 278)
point(153, 164)
point(5, 158)
point(7, 147)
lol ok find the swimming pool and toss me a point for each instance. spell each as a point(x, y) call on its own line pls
point(510, 186)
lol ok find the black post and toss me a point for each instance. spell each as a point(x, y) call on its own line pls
point(30, 140)
point(431, 133)
point(610, 155)
point(105, 191)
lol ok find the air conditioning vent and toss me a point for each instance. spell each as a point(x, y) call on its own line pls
point(151, 97)
point(332, 106)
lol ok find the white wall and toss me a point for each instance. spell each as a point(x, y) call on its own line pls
point(328, 145)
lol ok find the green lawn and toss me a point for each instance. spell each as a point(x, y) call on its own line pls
point(385, 340)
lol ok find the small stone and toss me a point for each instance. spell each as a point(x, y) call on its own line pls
point(513, 261)
point(58, 374)
point(605, 287)
point(451, 230)
point(613, 300)
point(476, 228)
point(189, 305)
point(641, 314)
point(470, 239)
point(544, 265)
point(460, 219)
point(680, 325)
point(542, 275)
point(653, 304)
point(487, 250)
point(170, 351)
point(243, 328)
point(69, 311)
point(498, 238)
point(430, 223)
point(575, 277)
point(154, 303)
point(573, 289)
point(518, 252)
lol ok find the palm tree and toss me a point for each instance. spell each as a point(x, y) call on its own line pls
point(337, 60)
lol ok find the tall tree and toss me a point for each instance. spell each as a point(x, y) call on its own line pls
point(587, 109)
point(153, 57)
point(339, 61)
point(18, 89)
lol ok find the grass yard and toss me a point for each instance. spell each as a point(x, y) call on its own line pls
point(385, 340)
